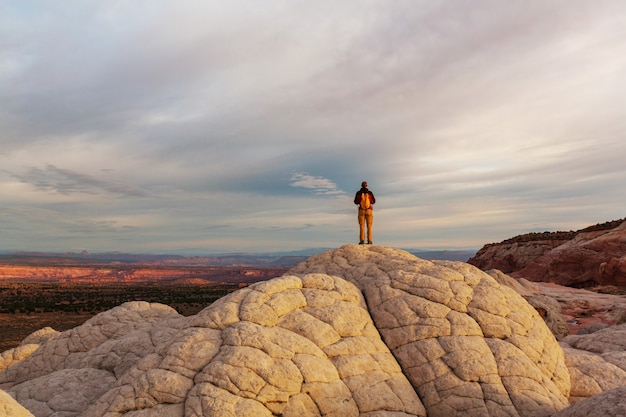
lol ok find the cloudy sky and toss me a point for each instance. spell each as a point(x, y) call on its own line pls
point(202, 127)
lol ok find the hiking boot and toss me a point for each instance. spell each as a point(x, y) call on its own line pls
point(361, 242)
point(369, 242)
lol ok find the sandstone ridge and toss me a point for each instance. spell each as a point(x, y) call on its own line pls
point(357, 331)
point(592, 256)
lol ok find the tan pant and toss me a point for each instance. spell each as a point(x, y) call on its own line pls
point(365, 217)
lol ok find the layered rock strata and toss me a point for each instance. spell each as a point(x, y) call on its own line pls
point(589, 257)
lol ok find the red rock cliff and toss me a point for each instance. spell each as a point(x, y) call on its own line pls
point(592, 256)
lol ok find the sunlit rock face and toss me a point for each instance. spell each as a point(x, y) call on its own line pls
point(469, 345)
point(510, 257)
point(589, 259)
point(579, 259)
point(358, 331)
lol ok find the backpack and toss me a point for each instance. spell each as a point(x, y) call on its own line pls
point(365, 201)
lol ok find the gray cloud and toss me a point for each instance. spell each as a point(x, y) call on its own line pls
point(319, 185)
point(65, 181)
point(470, 121)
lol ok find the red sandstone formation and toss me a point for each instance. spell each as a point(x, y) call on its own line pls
point(613, 271)
point(579, 262)
point(510, 256)
point(592, 256)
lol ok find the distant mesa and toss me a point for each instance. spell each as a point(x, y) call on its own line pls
point(125, 268)
point(357, 331)
point(137, 274)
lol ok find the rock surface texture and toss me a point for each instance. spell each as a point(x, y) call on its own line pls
point(11, 408)
point(592, 374)
point(358, 331)
point(608, 404)
point(512, 256)
point(469, 345)
point(27, 347)
point(583, 308)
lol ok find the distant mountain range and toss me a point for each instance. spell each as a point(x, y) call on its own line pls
point(273, 259)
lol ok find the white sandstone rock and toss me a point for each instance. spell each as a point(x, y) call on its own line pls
point(591, 374)
point(469, 345)
point(610, 339)
point(11, 356)
point(296, 346)
point(113, 340)
point(27, 347)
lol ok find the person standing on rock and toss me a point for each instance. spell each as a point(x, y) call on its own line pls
point(364, 198)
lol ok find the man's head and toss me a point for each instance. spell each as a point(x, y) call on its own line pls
point(364, 184)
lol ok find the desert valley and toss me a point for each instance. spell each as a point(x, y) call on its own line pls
point(531, 326)
point(41, 290)
point(61, 291)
